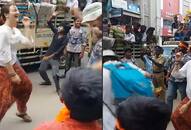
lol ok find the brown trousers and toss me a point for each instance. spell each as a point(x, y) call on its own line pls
point(10, 93)
point(158, 82)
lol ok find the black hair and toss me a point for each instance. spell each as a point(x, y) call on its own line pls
point(159, 49)
point(76, 18)
point(143, 113)
point(143, 28)
point(128, 50)
point(66, 26)
point(82, 94)
point(110, 58)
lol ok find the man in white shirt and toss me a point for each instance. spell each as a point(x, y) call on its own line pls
point(185, 71)
point(129, 36)
point(181, 116)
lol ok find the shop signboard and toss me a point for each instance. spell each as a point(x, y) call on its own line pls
point(119, 4)
point(116, 12)
point(135, 8)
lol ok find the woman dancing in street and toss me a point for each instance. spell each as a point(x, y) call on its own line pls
point(15, 85)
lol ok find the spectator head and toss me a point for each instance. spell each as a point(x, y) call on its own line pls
point(64, 27)
point(146, 51)
point(128, 29)
point(10, 13)
point(158, 50)
point(150, 31)
point(143, 113)
point(92, 14)
point(128, 53)
point(143, 28)
point(136, 27)
point(183, 46)
point(109, 55)
point(175, 18)
point(82, 94)
point(77, 22)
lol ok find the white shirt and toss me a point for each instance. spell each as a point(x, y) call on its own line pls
point(144, 39)
point(186, 72)
point(72, 4)
point(129, 37)
point(9, 38)
point(76, 48)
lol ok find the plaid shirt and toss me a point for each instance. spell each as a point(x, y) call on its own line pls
point(96, 54)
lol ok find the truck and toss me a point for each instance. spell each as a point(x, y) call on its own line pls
point(40, 33)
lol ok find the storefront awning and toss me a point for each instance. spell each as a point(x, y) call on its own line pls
point(131, 14)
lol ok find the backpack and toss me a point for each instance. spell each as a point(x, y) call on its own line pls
point(128, 81)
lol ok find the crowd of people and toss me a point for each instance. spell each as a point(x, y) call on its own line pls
point(181, 31)
point(166, 74)
point(175, 72)
point(135, 33)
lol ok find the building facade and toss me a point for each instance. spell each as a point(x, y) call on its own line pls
point(124, 11)
point(185, 5)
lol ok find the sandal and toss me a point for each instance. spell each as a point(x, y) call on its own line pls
point(24, 116)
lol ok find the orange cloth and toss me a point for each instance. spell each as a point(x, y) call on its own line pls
point(64, 122)
point(63, 114)
point(182, 45)
point(117, 125)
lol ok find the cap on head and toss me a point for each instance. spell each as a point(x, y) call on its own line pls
point(91, 12)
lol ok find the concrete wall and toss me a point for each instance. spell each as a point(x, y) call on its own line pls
point(150, 15)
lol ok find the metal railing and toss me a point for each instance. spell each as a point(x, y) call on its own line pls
point(121, 45)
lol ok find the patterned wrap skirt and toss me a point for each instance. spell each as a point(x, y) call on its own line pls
point(182, 121)
point(10, 92)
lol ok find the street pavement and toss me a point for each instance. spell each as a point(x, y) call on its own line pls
point(43, 105)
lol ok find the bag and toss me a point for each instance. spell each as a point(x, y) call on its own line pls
point(128, 81)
